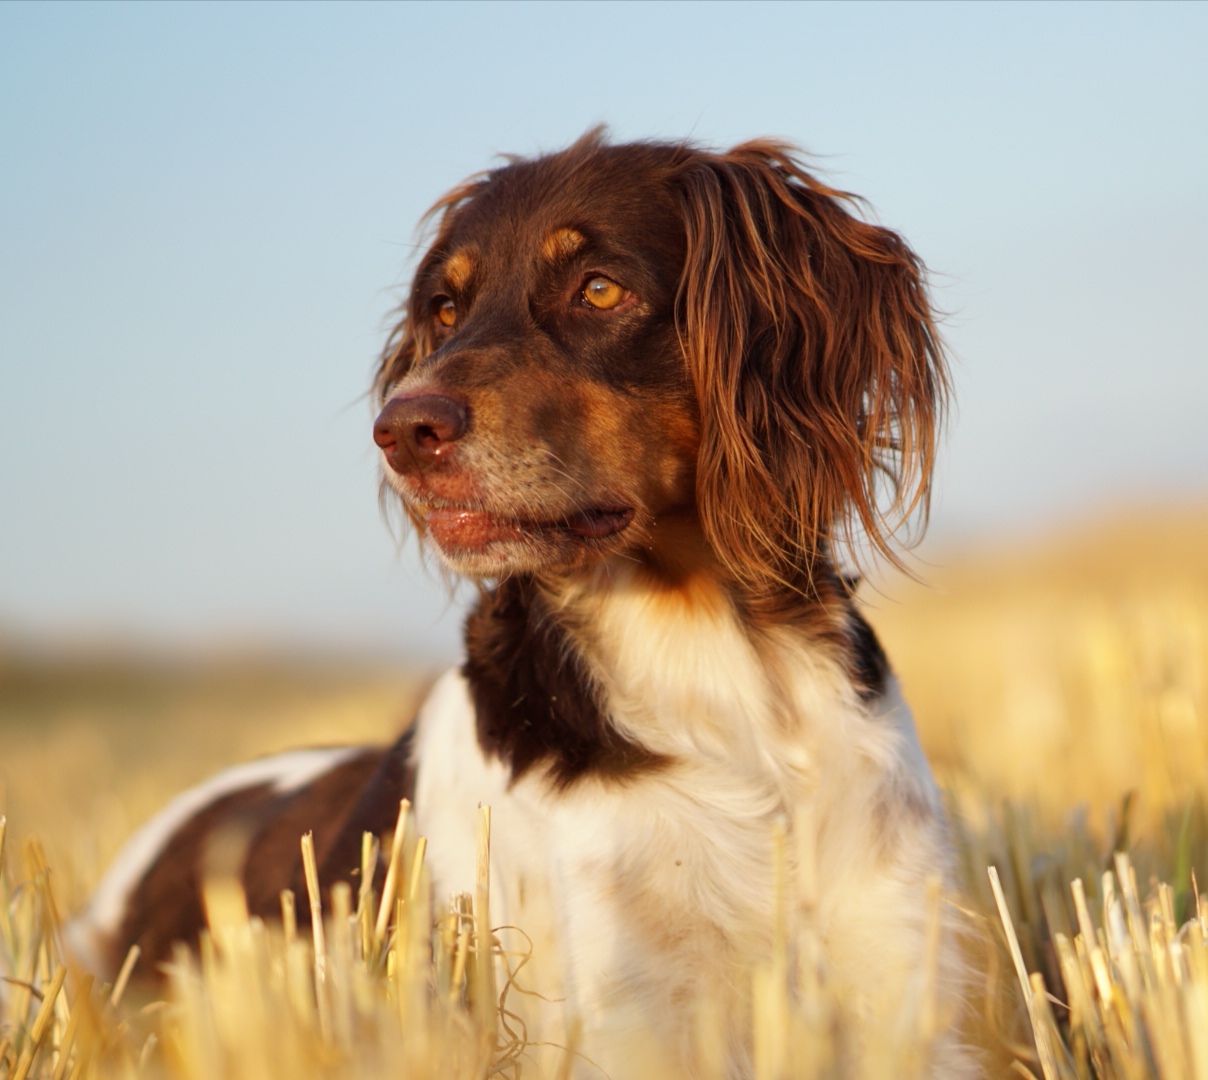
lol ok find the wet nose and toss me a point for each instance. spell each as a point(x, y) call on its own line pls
point(419, 430)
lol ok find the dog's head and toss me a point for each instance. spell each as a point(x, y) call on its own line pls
point(612, 343)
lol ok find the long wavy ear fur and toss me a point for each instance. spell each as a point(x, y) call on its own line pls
point(821, 376)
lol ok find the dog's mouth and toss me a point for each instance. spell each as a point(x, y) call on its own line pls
point(465, 530)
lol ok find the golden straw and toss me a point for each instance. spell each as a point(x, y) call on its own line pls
point(386, 906)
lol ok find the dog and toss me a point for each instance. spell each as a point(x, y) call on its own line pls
point(645, 394)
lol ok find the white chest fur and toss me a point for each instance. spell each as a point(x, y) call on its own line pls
point(639, 891)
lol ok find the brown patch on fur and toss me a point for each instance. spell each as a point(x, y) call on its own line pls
point(562, 244)
point(643, 446)
point(679, 561)
point(376, 809)
point(534, 700)
point(359, 795)
point(864, 658)
point(822, 608)
point(459, 268)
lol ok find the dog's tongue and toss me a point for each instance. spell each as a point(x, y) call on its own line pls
point(597, 524)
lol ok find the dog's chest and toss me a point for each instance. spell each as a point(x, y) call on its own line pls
point(682, 835)
point(640, 884)
point(626, 896)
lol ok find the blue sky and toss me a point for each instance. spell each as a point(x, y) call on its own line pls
point(206, 213)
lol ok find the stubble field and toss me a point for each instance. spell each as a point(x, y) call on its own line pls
point(1061, 691)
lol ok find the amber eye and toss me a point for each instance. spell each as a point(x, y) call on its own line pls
point(603, 293)
point(446, 311)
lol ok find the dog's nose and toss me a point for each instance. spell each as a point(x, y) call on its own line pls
point(415, 430)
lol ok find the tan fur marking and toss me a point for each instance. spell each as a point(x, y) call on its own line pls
point(562, 243)
point(460, 268)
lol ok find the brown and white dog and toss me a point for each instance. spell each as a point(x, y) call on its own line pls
point(643, 390)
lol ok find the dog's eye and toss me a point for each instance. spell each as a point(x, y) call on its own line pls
point(603, 293)
point(445, 310)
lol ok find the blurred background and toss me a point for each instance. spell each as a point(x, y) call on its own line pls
point(207, 214)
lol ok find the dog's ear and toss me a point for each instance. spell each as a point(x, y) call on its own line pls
point(411, 338)
point(817, 363)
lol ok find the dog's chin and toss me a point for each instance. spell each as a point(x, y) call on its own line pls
point(480, 544)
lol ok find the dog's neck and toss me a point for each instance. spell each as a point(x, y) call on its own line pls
point(616, 670)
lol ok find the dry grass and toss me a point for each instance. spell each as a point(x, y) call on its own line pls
point(1062, 693)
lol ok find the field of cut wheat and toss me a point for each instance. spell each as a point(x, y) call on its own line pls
point(1061, 690)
